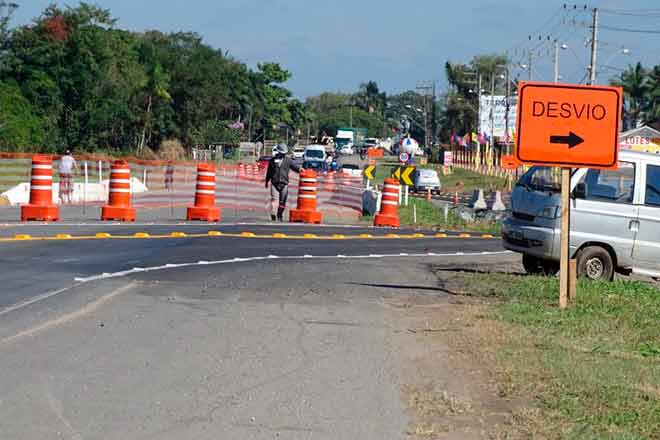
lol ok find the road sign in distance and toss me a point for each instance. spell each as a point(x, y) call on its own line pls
point(403, 157)
point(568, 125)
point(369, 172)
point(404, 175)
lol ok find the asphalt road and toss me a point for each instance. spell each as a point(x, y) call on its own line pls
point(250, 338)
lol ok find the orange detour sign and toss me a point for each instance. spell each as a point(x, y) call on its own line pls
point(568, 125)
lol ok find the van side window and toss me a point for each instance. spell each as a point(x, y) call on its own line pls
point(652, 185)
point(613, 186)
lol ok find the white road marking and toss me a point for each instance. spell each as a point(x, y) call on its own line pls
point(103, 276)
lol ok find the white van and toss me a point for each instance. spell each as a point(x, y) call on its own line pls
point(615, 218)
point(315, 153)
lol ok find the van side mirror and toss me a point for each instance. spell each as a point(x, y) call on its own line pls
point(580, 191)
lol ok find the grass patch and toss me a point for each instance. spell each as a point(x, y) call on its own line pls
point(469, 179)
point(431, 216)
point(593, 370)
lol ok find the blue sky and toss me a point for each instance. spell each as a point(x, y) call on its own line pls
point(335, 45)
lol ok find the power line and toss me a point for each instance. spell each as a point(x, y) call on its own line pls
point(633, 12)
point(636, 31)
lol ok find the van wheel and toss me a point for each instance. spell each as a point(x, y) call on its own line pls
point(595, 263)
point(539, 266)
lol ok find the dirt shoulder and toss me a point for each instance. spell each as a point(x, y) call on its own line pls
point(497, 359)
point(448, 348)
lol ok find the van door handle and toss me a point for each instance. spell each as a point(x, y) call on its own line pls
point(634, 225)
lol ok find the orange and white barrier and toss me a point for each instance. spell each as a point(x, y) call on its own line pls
point(389, 215)
point(41, 207)
point(204, 208)
point(306, 211)
point(119, 194)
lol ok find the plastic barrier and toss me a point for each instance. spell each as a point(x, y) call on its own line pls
point(41, 207)
point(204, 208)
point(306, 211)
point(119, 197)
point(389, 215)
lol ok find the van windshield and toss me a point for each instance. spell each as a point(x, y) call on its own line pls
point(545, 179)
point(317, 154)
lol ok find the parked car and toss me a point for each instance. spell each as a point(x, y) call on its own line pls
point(615, 219)
point(425, 179)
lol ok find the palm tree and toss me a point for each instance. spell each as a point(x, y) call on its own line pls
point(653, 113)
point(636, 87)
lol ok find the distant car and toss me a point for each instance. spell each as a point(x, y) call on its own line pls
point(351, 169)
point(262, 162)
point(318, 166)
point(347, 150)
point(425, 179)
point(315, 153)
point(298, 152)
point(371, 143)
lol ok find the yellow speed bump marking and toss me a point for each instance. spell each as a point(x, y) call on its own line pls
point(178, 234)
point(418, 236)
point(366, 236)
point(487, 236)
point(247, 234)
point(441, 236)
point(310, 236)
point(214, 234)
point(464, 236)
point(279, 235)
point(22, 237)
point(338, 237)
point(103, 235)
point(392, 236)
point(63, 236)
point(141, 235)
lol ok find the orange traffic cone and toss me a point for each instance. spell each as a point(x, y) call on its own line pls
point(41, 207)
point(306, 211)
point(204, 209)
point(388, 215)
point(119, 196)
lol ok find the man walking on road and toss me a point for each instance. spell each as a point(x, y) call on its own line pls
point(278, 176)
point(67, 164)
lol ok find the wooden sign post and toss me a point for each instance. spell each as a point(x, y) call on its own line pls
point(568, 126)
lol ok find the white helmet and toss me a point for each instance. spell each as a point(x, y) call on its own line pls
point(282, 149)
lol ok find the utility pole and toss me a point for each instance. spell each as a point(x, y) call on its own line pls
point(478, 126)
point(506, 107)
point(594, 48)
point(492, 109)
point(426, 89)
point(556, 61)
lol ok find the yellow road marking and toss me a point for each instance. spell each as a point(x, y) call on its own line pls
point(307, 236)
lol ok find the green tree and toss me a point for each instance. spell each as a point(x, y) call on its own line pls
point(636, 92)
point(21, 129)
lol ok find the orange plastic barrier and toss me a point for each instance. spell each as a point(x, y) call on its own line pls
point(375, 152)
point(389, 215)
point(41, 207)
point(119, 198)
point(204, 209)
point(306, 211)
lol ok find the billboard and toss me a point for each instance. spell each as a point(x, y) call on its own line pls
point(496, 105)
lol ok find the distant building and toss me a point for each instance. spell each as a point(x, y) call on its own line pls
point(644, 139)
